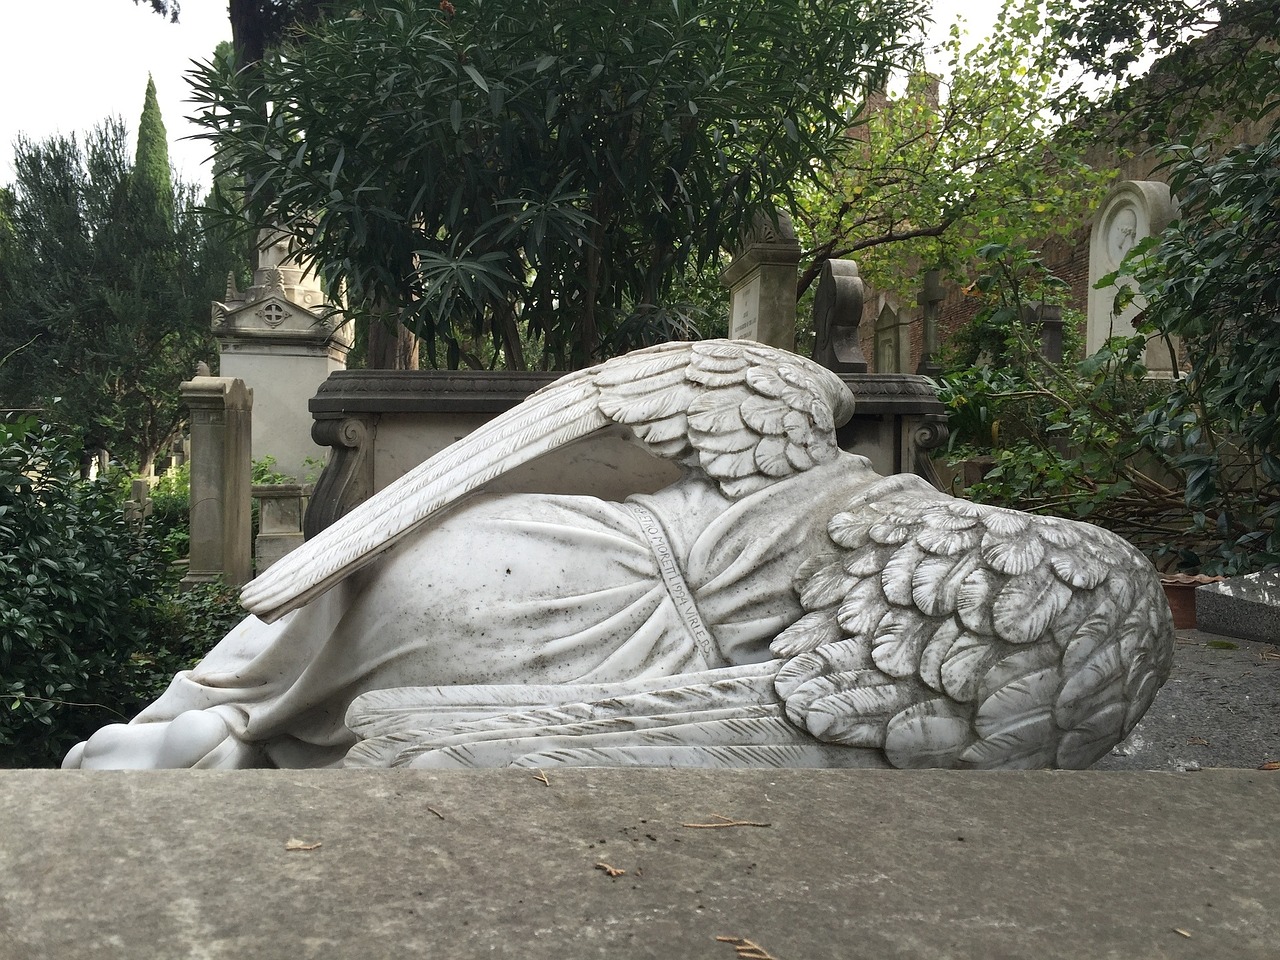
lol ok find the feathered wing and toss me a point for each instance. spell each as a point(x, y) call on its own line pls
point(744, 414)
point(952, 634)
point(730, 717)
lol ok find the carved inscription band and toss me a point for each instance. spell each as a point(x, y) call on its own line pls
point(677, 589)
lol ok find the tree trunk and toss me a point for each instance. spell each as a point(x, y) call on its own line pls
point(391, 348)
point(509, 329)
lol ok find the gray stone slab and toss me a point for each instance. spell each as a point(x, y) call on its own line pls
point(852, 864)
point(1219, 708)
point(1247, 607)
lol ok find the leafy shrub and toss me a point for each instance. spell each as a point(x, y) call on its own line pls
point(91, 625)
point(170, 520)
point(1211, 279)
point(183, 625)
point(1094, 439)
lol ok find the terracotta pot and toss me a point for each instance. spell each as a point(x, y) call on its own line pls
point(1180, 591)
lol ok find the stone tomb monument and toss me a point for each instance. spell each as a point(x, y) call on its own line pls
point(778, 604)
point(1131, 212)
point(762, 284)
point(283, 340)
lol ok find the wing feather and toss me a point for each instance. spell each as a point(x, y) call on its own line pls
point(969, 639)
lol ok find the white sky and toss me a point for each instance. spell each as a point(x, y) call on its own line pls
point(65, 65)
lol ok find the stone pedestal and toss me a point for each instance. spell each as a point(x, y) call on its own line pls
point(762, 284)
point(280, 510)
point(1131, 212)
point(381, 424)
point(283, 340)
point(221, 475)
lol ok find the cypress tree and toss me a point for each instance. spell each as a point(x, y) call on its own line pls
point(151, 188)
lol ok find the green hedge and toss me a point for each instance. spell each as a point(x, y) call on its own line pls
point(91, 624)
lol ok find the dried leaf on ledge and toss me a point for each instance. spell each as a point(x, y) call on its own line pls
point(723, 821)
point(610, 870)
point(747, 949)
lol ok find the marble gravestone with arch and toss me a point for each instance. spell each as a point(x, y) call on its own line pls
point(1132, 211)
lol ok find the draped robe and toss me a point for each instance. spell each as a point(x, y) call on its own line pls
point(523, 588)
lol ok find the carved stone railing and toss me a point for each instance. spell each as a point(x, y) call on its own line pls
point(380, 424)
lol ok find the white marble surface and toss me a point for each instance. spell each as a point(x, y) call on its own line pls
point(779, 604)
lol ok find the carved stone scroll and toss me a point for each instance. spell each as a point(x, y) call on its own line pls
point(837, 314)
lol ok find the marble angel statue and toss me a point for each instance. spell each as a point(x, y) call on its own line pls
point(779, 604)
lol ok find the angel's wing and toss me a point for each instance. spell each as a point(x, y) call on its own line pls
point(744, 414)
point(952, 634)
point(729, 717)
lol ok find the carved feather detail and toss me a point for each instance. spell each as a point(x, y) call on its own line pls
point(743, 414)
point(999, 639)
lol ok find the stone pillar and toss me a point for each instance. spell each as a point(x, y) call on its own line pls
point(762, 283)
point(1131, 212)
point(221, 476)
point(283, 340)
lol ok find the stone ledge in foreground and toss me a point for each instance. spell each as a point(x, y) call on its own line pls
point(852, 864)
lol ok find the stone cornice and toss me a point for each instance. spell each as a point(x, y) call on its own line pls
point(348, 392)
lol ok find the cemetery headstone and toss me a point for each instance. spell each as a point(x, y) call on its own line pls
point(931, 296)
point(1131, 212)
point(762, 284)
point(837, 315)
point(893, 343)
